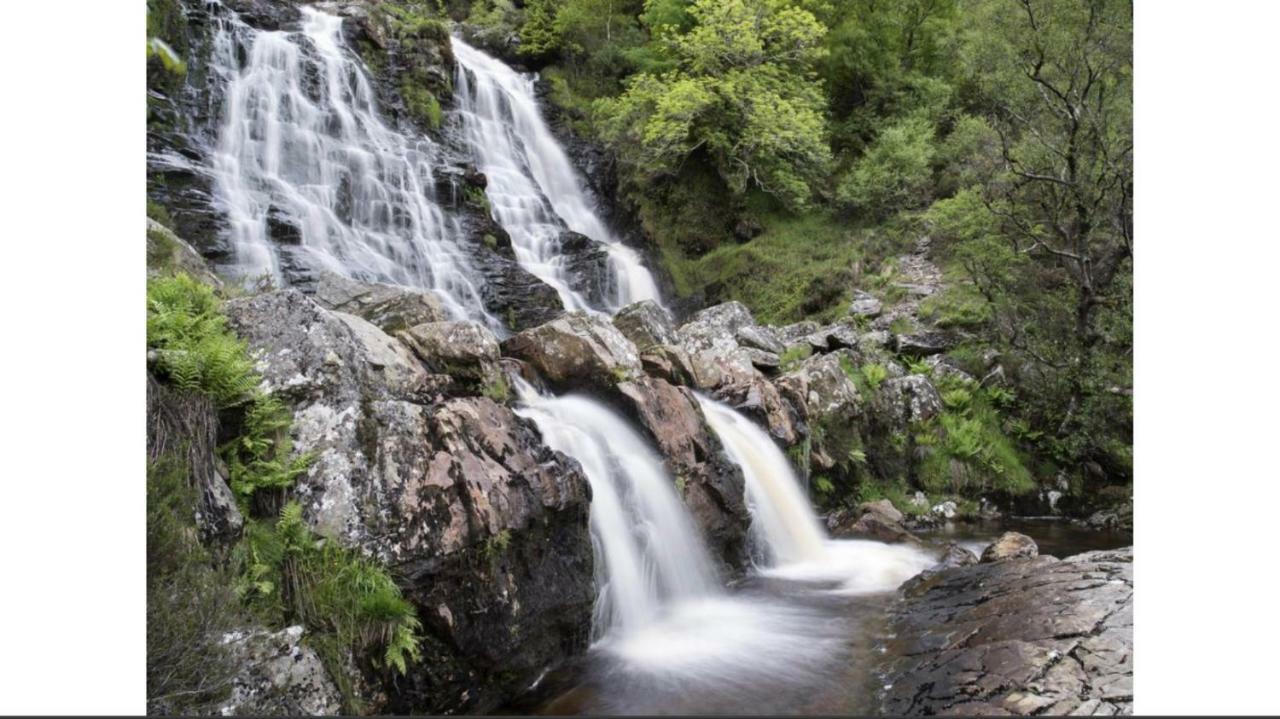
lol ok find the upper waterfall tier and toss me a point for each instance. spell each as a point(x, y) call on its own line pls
point(534, 190)
point(308, 172)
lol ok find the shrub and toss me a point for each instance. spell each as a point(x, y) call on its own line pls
point(193, 347)
point(895, 172)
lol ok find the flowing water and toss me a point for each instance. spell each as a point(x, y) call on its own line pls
point(534, 190)
point(302, 145)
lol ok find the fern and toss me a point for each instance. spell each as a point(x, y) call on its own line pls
point(193, 347)
point(875, 375)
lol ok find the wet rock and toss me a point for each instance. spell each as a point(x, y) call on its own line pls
point(711, 484)
point(645, 323)
point(282, 229)
point(278, 675)
point(393, 309)
point(880, 521)
point(955, 556)
point(586, 268)
point(509, 292)
point(1028, 636)
point(923, 344)
point(486, 526)
point(577, 350)
point(751, 393)
point(1010, 545)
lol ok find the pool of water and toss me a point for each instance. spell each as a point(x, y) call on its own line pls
point(806, 639)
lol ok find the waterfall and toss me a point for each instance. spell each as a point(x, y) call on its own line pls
point(779, 509)
point(648, 552)
point(533, 189)
point(308, 173)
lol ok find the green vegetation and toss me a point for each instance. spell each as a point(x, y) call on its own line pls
point(279, 569)
point(793, 356)
point(966, 449)
point(193, 347)
point(497, 390)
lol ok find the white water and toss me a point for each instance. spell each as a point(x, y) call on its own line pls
point(782, 517)
point(780, 510)
point(648, 552)
point(301, 134)
point(532, 187)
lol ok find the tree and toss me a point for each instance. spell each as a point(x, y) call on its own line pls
point(743, 95)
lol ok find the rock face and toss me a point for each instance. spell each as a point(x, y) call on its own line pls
point(457, 494)
point(392, 309)
point(278, 676)
point(712, 485)
point(576, 350)
point(1024, 636)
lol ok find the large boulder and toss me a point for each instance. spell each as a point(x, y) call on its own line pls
point(711, 484)
point(1010, 545)
point(278, 675)
point(465, 352)
point(486, 526)
point(829, 403)
point(645, 323)
point(1037, 636)
point(169, 254)
point(906, 400)
point(878, 520)
point(577, 350)
point(391, 308)
point(668, 362)
point(715, 328)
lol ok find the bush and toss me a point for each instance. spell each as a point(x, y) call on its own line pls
point(895, 172)
point(292, 575)
point(259, 459)
point(193, 347)
point(190, 604)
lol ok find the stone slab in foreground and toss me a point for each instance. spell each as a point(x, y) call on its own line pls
point(1016, 637)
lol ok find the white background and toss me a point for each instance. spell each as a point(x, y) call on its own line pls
point(72, 164)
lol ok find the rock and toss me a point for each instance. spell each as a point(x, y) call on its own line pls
point(956, 556)
point(864, 305)
point(943, 367)
point(946, 510)
point(1010, 545)
point(759, 359)
point(919, 500)
point(1118, 517)
point(923, 344)
point(393, 309)
point(793, 333)
point(586, 268)
point(278, 675)
point(463, 350)
point(714, 328)
point(881, 521)
point(907, 400)
point(712, 485)
point(749, 392)
point(169, 254)
point(645, 323)
point(577, 350)
point(1036, 636)
point(760, 338)
point(486, 526)
point(882, 507)
point(668, 362)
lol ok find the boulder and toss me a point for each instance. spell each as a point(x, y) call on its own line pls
point(169, 254)
point(486, 526)
point(393, 309)
point(750, 392)
point(956, 556)
point(1011, 545)
point(829, 403)
point(712, 485)
point(714, 328)
point(577, 350)
point(645, 323)
point(901, 401)
point(864, 305)
point(278, 675)
point(923, 344)
point(464, 350)
point(1039, 636)
point(586, 268)
point(760, 338)
point(668, 362)
point(880, 521)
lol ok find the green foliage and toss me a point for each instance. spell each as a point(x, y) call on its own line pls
point(193, 347)
point(159, 213)
point(823, 486)
point(189, 602)
point(168, 58)
point(958, 305)
point(916, 365)
point(742, 96)
point(793, 356)
point(292, 575)
point(497, 390)
point(967, 452)
point(259, 459)
point(895, 172)
point(422, 105)
point(874, 375)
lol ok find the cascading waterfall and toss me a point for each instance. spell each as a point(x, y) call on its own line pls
point(781, 512)
point(783, 519)
point(648, 552)
point(301, 144)
point(532, 187)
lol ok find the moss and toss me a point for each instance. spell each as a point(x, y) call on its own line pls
point(490, 241)
point(497, 390)
point(793, 356)
point(422, 105)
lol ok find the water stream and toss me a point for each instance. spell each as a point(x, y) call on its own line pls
point(534, 190)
